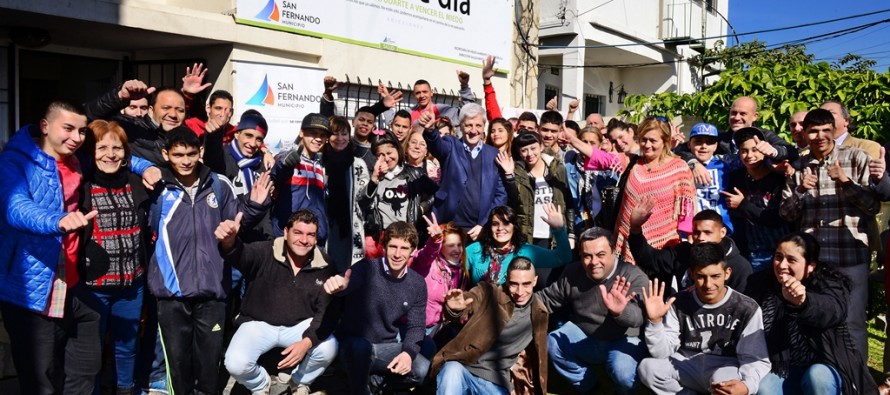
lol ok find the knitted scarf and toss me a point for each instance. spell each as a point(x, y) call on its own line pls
point(246, 176)
point(497, 260)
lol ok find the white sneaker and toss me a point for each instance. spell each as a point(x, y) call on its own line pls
point(264, 391)
point(301, 389)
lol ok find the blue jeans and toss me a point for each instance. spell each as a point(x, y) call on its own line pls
point(572, 353)
point(255, 338)
point(818, 379)
point(455, 379)
point(366, 366)
point(120, 311)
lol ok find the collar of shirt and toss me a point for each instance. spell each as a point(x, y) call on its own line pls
point(473, 151)
point(389, 272)
point(826, 161)
point(840, 140)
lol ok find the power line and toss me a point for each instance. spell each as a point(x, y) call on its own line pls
point(801, 41)
point(714, 37)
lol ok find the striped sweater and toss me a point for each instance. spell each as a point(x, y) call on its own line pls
point(672, 188)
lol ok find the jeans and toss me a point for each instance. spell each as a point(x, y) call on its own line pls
point(572, 353)
point(858, 275)
point(817, 379)
point(255, 338)
point(121, 310)
point(192, 334)
point(455, 379)
point(366, 366)
point(55, 355)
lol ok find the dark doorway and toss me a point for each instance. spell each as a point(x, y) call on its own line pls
point(47, 76)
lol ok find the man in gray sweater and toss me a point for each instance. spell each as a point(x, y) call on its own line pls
point(605, 316)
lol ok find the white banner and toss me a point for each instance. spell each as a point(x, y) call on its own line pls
point(283, 94)
point(451, 30)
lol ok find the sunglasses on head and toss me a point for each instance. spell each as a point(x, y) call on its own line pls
point(658, 118)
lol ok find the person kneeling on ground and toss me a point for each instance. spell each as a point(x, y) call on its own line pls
point(502, 321)
point(710, 340)
point(287, 273)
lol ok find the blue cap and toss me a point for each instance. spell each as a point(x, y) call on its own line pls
point(703, 129)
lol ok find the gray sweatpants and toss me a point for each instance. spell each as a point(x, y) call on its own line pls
point(681, 375)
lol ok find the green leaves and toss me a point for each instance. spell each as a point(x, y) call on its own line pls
point(784, 81)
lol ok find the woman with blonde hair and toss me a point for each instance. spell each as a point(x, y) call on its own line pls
point(662, 179)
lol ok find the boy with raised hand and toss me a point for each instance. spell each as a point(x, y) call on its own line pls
point(708, 338)
point(187, 272)
point(703, 145)
point(383, 297)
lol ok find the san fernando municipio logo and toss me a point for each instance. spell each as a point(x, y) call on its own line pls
point(269, 12)
point(264, 95)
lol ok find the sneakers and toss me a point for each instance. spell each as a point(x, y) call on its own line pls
point(301, 389)
point(265, 390)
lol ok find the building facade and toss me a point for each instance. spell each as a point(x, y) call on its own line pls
point(601, 51)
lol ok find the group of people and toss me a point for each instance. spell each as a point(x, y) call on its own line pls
point(435, 248)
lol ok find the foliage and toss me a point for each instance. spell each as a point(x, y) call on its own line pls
point(783, 85)
point(753, 53)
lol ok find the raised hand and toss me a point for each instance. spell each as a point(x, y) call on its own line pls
point(337, 283)
point(76, 220)
point(653, 299)
point(150, 177)
point(808, 181)
point(427, 119)
point(617, 298)
point(677, 137)
point(455, 300)
point(463, 78)
point(837, 173)
point(191, 82)
point(573, 105)
point(551, 104)
point(214, 125)
point(877, 167)
point(641, 212)
point(262, 188)
point(434, 173)
point(134, 90)
point(764, 147)
point(792, 290)
point(380, 169)
point(330, 84)
point(553, 216)
point(401, 364)
point(505, 161)
point(487, 69)
point(733, 199)
point(783, 167)
point(433, 228)
point(390, 98)
point(227, 231)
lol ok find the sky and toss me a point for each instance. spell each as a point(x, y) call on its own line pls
point(873, 42)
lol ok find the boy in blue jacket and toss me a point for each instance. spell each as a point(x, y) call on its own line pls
point(703, 145)
point(187, 273)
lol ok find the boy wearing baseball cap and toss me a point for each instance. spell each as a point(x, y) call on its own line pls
point(300, 175)
point(703, 145)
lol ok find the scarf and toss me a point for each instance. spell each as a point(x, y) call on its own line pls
point(246, 176)
point(497, 260)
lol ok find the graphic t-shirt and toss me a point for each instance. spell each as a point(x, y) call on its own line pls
point(543, 196)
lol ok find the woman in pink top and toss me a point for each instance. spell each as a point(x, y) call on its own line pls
point(660, 175)
point(443, 264)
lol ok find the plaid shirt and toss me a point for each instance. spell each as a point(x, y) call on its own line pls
point(837, 215)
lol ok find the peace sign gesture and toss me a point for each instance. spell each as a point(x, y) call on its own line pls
point(433, 228)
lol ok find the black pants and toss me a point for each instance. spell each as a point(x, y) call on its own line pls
point(192, 331)
point(55, 355)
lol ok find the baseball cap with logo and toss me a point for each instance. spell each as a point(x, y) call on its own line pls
point(703, 129)
point(316, 121)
